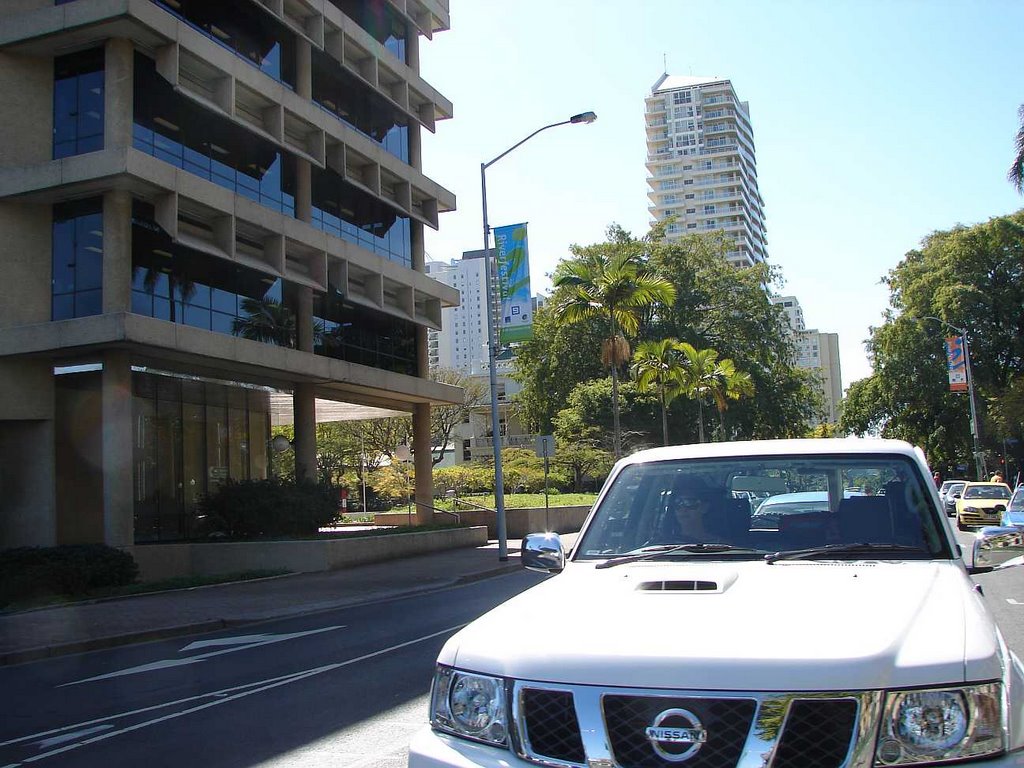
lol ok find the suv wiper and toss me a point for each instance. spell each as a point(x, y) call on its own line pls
point(800, 554)
point(670, 550)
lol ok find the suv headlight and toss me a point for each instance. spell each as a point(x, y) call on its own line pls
point(941, 724)
point(469, 705)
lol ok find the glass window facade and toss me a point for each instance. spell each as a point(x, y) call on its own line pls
point(359, 106)
point(78, 103)
point(345, 211)
point(176, 130)
point(386, 26)
point(77, 259)
point(357, 335)
point(251, 35)
point(190, 436)
point(180, 285)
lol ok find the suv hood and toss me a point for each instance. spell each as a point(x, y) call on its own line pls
point(791, 625)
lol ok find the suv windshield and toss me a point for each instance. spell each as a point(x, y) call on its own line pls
point(812, 501)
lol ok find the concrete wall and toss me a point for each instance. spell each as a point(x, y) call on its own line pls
point(78, 459)
point(25, 263)
point(27, 515)
point(26, 134)
point(162, 561)
point(518, 522)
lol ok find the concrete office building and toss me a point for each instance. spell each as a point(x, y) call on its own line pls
point(815, 351)
point(701, 164)
point(203, 202)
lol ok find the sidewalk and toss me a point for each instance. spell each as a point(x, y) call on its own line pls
point(46, 632)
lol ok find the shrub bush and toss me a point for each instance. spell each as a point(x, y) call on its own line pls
point(28, 573)
point(260, 509)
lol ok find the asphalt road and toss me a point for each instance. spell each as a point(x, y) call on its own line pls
point(344, 688)
point(341, 688)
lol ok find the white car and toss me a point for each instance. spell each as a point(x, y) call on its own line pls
point(849, 635)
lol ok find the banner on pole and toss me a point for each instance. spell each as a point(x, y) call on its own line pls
point(956, 363)
point(513, 259)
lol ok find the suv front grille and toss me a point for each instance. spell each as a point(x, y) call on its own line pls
point(588, 725)
point(726, 721)
point(817, 734)
point(551, 728)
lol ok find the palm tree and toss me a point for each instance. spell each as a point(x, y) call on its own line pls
point(1016, 174)
point(609, 281)
point(707, 377)
point(737, 384)
point(658, 367)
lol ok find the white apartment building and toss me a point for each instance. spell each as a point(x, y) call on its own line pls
point(701, 164)
point(461, 344)
point(816, 351)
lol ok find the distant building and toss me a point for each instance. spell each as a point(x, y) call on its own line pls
point(461, 344)
point(815, 351)
point(702, 166)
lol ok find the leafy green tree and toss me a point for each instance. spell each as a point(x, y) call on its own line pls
point(610, 280)
point(550, 364)
point(578, 449)
point(658, 367)
point(970, 277)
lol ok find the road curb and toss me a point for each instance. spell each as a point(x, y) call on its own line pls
point(111, 641)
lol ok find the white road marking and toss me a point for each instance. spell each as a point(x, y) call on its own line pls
point(1011, 601)
point(65, 738)
point(238, 640)
point(263, 686)
point(155, 665)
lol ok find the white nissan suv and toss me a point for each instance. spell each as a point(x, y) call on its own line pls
point(686, 630)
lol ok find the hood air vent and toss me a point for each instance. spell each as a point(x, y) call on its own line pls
point(678, 586)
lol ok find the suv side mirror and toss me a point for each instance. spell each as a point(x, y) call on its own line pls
point(995, 547)
point(543, 552)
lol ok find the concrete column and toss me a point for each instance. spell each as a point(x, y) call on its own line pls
point(304, 407)
point(423, 464)
point(117, 251)
point(416, 145)
point(117, 444)
point(118, 98)
point(303, 190)
point(303, 68)
point(421, 439)
point(304, 318)
point(412, 47)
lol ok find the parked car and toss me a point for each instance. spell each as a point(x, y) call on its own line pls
point(952, 494)
point(946, 485)
point(855, 638)
point(981, 504)
point(1013, 515)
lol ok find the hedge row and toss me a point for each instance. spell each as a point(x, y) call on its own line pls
point(28, 573)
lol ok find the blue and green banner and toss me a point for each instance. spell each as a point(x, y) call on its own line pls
point(513, 260)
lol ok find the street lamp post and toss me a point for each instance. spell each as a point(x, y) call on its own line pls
point(492, 338)
point(979, 466)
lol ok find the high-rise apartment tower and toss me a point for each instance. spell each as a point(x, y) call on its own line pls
point(701, 164)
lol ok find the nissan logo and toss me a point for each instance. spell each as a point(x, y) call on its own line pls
point(676, 735)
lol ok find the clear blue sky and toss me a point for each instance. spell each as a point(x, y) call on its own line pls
point(875, 123)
